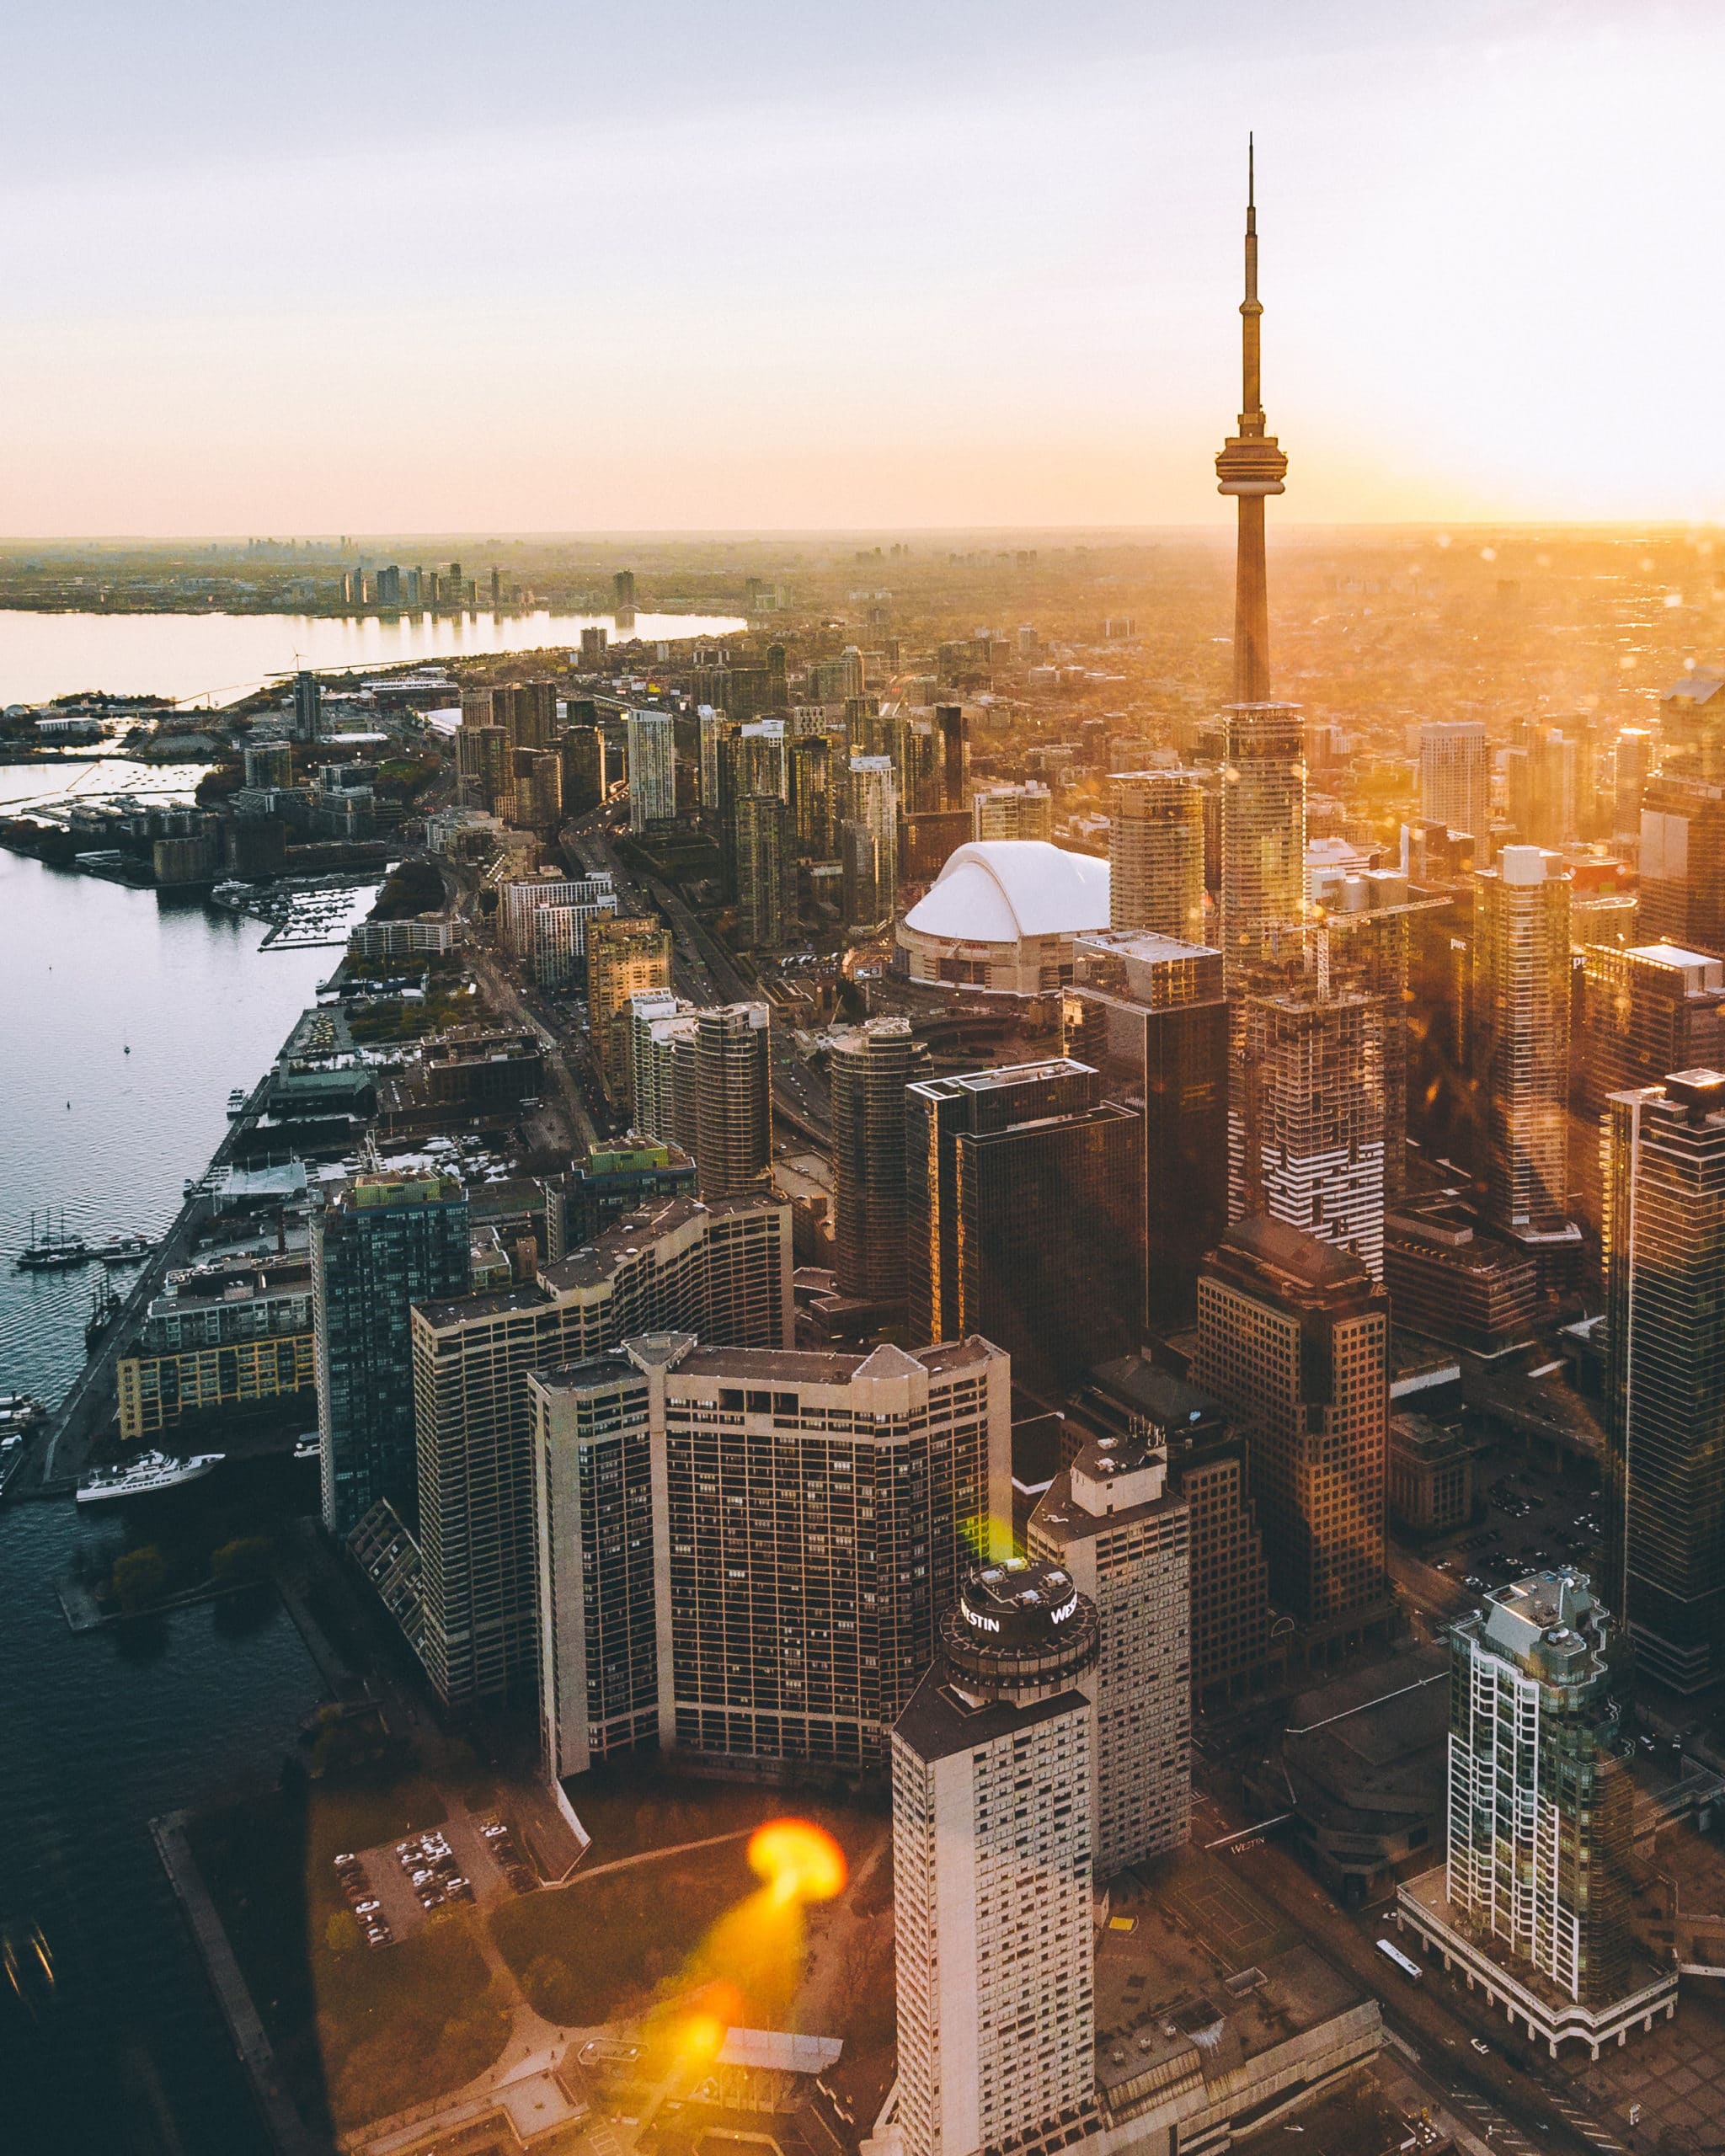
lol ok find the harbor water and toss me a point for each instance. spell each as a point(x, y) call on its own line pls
point(128, 1017)
point(104, 1731)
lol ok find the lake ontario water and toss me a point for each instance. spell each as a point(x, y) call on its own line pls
point(218, 657)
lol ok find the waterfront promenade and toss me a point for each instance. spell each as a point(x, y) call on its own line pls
point(288, 2131)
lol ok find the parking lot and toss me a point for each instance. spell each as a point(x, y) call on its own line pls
point(1535, 1518)
point(396, 1888)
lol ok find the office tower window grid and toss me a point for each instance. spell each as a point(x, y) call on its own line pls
point(1156, 854)
point(721, 1271)
point(1294, 1339)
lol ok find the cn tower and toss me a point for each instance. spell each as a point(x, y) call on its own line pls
point(1251, 466)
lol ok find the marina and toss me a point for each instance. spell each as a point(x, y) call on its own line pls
point(310, 913)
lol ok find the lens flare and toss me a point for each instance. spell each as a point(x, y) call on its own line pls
point(799, 1861)
point(699, 2038)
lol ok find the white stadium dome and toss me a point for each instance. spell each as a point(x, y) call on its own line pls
point(1002, 915)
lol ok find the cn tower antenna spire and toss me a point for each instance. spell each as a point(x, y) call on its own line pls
point(1251, 467)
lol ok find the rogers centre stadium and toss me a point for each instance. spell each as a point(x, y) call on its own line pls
point(1002, 915)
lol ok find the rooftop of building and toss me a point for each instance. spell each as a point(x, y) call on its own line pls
point(370, 1191)
point(1143, 944)
point(1167, 1402)
point(1432, 1443)
point(1207, 1980)
point(1548, 1622)
point(769, 1367)
point(597, 1261)
point(237, 1279)
point(1006, 1075)
point(1446, 1231)
point(1273, 1244)
point(1111, 1482)
point(1367, 1742)
point(1701, 970)
point(936, 1721)
point(1001, 890)
point(1700, 687)
point(632, 1155)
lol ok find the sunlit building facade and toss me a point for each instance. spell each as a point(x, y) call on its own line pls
point(1114, 1521)
point(743, 1554)
point(627, 956)
point(1541, 1809)
point(721, 1271)
point(1013, 812)
point(1520, 1014)
point(1305, 1136)
point(1456, 778)
point(1263, 830)
point(1156, 854)
point(992, 1873)
point(653, 768)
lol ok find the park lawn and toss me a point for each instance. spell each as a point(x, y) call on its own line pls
point(406, 2022)
point(358, 1816)
point(631, 1807)
point(599, 1949)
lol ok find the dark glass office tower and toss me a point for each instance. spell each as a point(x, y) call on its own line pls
point(1149, 1012)
point(380, 1245)
point(1665, 1266)
point(1023, 1222)
point(870, 1069)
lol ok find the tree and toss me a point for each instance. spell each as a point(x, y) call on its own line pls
point(545, 1980)
point(341, 1934)
point(247, 1557)
point(140, 1577)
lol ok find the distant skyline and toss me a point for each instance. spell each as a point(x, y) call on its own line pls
point(815, 267)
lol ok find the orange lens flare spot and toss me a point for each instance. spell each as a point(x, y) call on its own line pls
point(699, 2037)
point(799, 1861)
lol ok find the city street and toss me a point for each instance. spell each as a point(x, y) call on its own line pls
point(1514, 2098)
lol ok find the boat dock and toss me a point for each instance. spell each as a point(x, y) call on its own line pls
point(287, 2128)
point(59, 1449)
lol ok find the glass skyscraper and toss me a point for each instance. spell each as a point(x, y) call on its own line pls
point(381, 1244)
point(1664, 1267)
point(1023, 1220)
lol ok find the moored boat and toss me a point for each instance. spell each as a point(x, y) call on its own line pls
point(53, 1251)
point(146, 1476)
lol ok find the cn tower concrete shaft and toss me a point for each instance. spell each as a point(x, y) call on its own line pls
point(1250, 467)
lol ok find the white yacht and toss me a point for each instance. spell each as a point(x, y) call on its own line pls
point(145, 1476)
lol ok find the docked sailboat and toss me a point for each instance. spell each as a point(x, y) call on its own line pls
point(104, 1308)
point(53, 1251)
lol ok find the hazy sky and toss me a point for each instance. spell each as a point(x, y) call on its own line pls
point(677, 264)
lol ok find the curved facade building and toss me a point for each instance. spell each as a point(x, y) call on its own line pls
point(1002, 915)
